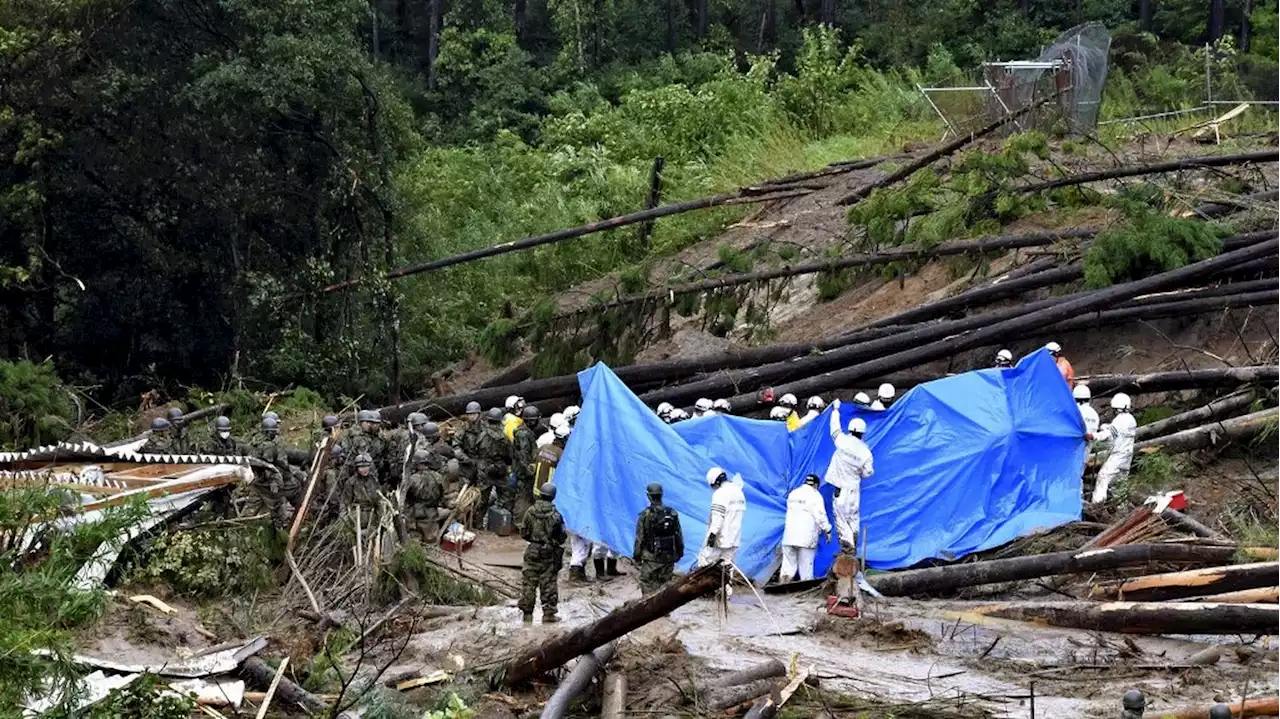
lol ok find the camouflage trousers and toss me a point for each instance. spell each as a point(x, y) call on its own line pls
point(654, 574)
point(264, 495)
point(539, 576)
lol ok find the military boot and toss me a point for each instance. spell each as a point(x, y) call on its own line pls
point(600, 574)
point(578, 574)
point(549, 617)
point(611, 568)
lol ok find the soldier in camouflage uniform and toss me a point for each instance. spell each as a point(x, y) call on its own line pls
point(364, 438)
point(492, 457)
point(524, 449)
point(361, 486)
point(159, 442)
point(466, 441)
point(329, 491)
point(543, 528)
point(222, 443)
point(659, 542)
point(281, 485)
point(423, 494)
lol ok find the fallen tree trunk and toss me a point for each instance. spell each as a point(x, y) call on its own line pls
point(1102, 384)
point(552, 653)
point(1264, 707)
point(955, 576)
point(721, 699)
point(1019, 325)
point(577, 681)
point(1209, 435)
point(1178, 519)
point(1259, 595)
point(262, 674)
point(1180, 585)
point(1211, 210)
point(950, 148)
point(765, 670)
point(613, 705)
point(1186, 163)
point(1215, 409)
point(1144, 618)
point(1180, 308)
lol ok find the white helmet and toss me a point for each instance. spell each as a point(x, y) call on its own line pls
point(716, 473)
point(1121, 402)
point(1054, 348)
point(664, 409)
point(788, 400)
point(862, 399)
point(779, 413)
point(816, 402)
point(885, 392)
point(703, 405)
point(1004, 356)
point(513, 403)
point(562, 430)
point(857, 425)
point(1081, 391)
point(722, 405)
point(557, 420)
point(571, 412)
point(678, 414)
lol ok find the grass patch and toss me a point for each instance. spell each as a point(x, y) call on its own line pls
point(1151, 474)
point(1154, 413)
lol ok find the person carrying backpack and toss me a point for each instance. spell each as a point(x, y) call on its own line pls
point(659, 542)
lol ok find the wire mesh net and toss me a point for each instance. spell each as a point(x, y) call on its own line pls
point(1075, 65)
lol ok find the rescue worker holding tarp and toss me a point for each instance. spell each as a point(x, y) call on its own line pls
point(1121, 432)
point(850, 464)
point(806, 519)
point(1087, 413)
point(543, 528)
point(724, 527)
point(659, 542)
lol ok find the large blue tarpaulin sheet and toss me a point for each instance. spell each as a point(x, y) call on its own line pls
point(962, 464)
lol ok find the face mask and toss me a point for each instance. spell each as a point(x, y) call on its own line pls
point(364, 471)
point(224, 435)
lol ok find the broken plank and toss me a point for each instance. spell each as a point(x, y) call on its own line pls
point(1260, 595)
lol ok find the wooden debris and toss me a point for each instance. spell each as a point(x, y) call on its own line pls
point(1261, 595)
point(954, 576)
point(153, 602)
point(765, 670)
point(1182, 521)
point(768, 707)
point(727, 697)
point(271, 690)
point(1217, 409)
point(634, 614)
point(262, 673)
point(577, 681)
point(1264, 707)
point(1144, 617)
point(433, 678)
point(613, 705)
point(1185, 163)
point(1180, 585)
point(1209, 435)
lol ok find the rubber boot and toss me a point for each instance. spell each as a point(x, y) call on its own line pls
point(600, 575)
point(579, 575)
point(611, 568)
point(549, 618)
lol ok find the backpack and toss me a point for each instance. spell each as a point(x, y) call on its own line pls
point(662, 539)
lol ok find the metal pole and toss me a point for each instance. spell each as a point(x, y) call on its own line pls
point(1208, 83)
point(1000, 100)
point(945, 121)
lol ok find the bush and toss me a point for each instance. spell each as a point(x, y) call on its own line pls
point(35, 407)
point(1148, 244)
point(213, 562)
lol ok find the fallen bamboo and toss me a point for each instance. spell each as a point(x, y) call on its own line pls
point(262, 673)
point(577, 681)
point(948, 149)
point(613, 703)
point(1264, 707)
point(1195, 582)
point(1215, 409)
point(1143, 617)
point(955, 576)
point(1186, 163)
point(1189, 440)
point(1019, 325)
point(271, 690)
point(548, 655)
point(1257, 595)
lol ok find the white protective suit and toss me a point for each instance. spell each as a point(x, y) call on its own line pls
point(850, 464)
point(546, 438)
point(806, 519)
point(808, 417)
point(579, 550)
point(1090, 417)
point(1120, 432)
point(728, 505)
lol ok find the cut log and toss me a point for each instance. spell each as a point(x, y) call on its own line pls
point(726, 697)
point(1144, 618)
point(613, 705)
point(1216, 409)
point(981, 296)
point(577, 681)
point(1260, 595)
point(262, 674)
point(1018, 326)
point(1236, 429)
point(768, 707)
point(954, 576)
point(948, 149)
point(1211, 210)
point(1264, 707)
point(764, 670)
point(549, 654)
point(1182, 521)
point(1186, 163)
point(1196, 582)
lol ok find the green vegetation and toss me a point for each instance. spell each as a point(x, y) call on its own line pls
point(35, 407)
point(434, 586)
point(1151, 473)
point(1146, 244)
point(218, 561)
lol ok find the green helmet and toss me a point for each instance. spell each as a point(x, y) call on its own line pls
point(494, 415)
point(270, 425)
point(417, 418)
point(222, 424)
point(174, 414)
point(421, 456)
point(473, 408)
point(548, 491)
point(159, 424)
point(430, 430)
point(653, 490)
point(364, 460)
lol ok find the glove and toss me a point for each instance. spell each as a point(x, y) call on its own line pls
point(711, 540)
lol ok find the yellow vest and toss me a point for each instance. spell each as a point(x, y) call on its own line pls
point(793, 422)
point(509, 424)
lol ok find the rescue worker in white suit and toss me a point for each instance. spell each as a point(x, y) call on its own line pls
point(815, 405)
point(806, 519)
point(1120, 431)
point(1087, 412)
point(850, 464)
point(724, 527)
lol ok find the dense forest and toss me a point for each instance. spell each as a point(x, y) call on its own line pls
point(179, 179)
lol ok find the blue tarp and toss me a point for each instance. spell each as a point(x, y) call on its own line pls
point(962, 464)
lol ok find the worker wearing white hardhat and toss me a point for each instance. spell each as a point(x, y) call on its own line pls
point(1087, 412)
point(779, 414)
point(789, 401)
point(850, 464)
point(861, 399)
point(814, 405)
point(678, 415)
point(571, 413)
point(806, 519)
point(664, 411)
point(703, 407)
point(1064, 367)
point(511, 420)
point(1004, 358)
point(724, 527)
point(1120, 432)
point(884, 397)
point(722, 406)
